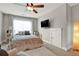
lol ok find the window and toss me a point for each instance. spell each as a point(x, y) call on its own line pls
point(21, 25)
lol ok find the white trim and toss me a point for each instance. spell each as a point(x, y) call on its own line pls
point(64, 48)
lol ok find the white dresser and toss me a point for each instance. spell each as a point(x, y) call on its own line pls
point(52, 36)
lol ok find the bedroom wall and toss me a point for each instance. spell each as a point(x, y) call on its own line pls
point(69, 26)
point(58, 19)
point(6, 25)
point(75, 12)
point(1, 26)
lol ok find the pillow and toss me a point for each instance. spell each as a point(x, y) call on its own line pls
point(27, 33)
point(23, 33)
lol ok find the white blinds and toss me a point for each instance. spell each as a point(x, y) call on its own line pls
point(21, 25)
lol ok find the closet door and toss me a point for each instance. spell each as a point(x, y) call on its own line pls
point(56, 37)
point(46, 35)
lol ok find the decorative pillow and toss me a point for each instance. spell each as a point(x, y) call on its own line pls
point(27, 33)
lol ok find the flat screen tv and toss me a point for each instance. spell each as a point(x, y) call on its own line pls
point(45, 23)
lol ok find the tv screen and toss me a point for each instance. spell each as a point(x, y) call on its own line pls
point(45, 23)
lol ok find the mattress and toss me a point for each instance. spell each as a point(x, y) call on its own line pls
point(42, 51)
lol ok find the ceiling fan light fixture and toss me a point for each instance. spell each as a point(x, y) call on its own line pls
point(30, 8)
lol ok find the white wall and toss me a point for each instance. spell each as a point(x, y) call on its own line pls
point(59, 18)
point(69, 27)
point(0, 26)
point(5, 26)
point(75, 12)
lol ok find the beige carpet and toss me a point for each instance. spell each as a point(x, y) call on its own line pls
point(42, 51)
point(61, 52)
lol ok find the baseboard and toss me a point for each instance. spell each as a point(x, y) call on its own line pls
point(66, 49)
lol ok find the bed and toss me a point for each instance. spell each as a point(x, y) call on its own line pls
point(28, 45)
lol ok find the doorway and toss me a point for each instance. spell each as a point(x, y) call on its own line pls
point(76, 35)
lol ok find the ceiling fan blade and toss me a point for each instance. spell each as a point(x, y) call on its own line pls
point(27, 4)
point(38, 6)
point(35, 11)
point(31, 4)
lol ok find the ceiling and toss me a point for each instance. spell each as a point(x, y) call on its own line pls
point(20, 9)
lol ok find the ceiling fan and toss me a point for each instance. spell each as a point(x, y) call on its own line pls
point(31, 7)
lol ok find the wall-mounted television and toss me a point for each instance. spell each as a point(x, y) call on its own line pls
point(45, 23)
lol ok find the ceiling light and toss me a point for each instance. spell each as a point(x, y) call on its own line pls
point(30, 8)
